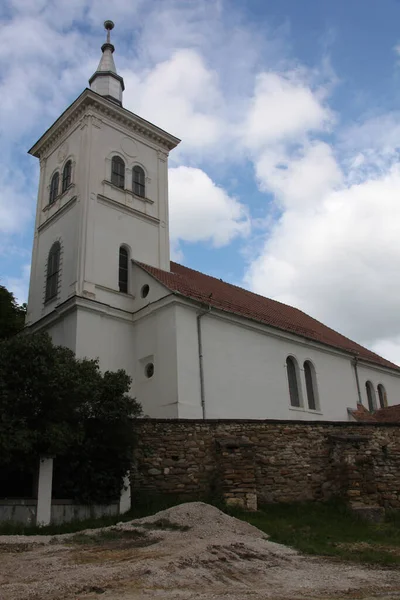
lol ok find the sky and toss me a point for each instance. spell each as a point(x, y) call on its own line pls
point(287, 179)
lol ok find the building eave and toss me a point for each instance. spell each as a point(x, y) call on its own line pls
point(88, 99)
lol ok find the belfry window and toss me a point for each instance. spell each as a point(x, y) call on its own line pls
point(370, 396)
point(382, 396)
point(293, 381)
point(53, 271)
point(311, 385)
point(139, 181)
point(118, 172)
point(54, 187)
point(123, 270)
point(66, 178)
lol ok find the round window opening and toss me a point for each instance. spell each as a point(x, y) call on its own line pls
point(145, 290)
point(149, 370)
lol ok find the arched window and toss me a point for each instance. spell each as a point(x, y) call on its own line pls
point(123, 270)
point(54, 187)
point(139, 181)
point(53, 270)
point(382, 396)
point(370, 396)
point(118, 172)
point(311, 385)
point(66, 178)
point(293, 380)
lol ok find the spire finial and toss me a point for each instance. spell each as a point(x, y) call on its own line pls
point(106, 81)
point(108, 26)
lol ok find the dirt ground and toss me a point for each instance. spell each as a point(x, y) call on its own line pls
point(191, 551)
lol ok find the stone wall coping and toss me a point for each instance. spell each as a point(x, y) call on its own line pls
point(215, 422)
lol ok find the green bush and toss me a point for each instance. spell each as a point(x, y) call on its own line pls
point(53, 404)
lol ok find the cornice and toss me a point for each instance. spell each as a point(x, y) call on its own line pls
point(78, 110)
point(127, 209)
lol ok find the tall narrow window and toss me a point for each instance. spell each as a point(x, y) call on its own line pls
point(118, 172)
point(66, 179)
point(291, 367)
point(139, 181)
point(54, 187)
point(53, 270)
point(311, 385)
point(370, 396)
point(382, 396)
point(123, 270)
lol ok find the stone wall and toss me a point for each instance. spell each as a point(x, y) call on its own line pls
point(269, 461)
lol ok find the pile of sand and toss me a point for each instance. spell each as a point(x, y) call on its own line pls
point(189, 551)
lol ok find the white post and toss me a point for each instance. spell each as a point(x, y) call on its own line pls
point(125, 498)
point(45, 484)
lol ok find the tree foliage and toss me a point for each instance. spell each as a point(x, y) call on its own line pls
point(52, 404)
point(12, 316)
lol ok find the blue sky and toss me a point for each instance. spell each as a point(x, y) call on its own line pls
point(287, 180)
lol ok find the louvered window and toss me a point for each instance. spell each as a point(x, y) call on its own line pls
point(66, 180)
point(53, 271)
point(54, 187)
point(118, 172)
point(139, 182)
point(293, 382)
point(123, 270)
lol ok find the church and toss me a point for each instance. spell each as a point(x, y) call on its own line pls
point(102, 284)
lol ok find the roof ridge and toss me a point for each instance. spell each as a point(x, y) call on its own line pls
point(237, 300)
point(299, 310)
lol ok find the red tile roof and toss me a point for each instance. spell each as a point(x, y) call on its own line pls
point(230, 298)
point(389, 414)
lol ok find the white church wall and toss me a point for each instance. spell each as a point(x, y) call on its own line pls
point(114, 229)
point(155, 343)
point(245, 373)
point(100, 335)
point(376, 376)
point(188, 364)
point(117, 216)
point(63, 230)
point(146, 296)
point(55, 225)
point(63, 330)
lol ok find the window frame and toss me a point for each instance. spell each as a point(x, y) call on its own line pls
point(371, 397)
point(53, 272)
point(310, 378)
point(54, 187)
point(139, 181)
point(294, 384)
point(123, 282)
point(66, 176)
point(382, 395)
point(118, 172)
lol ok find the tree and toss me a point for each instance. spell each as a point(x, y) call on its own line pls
point(12, 316)
point(52, 404)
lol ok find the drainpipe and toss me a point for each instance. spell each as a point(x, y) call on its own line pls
point(201, 366)
point(355, 362)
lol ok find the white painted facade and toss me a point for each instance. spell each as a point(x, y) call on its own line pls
point(243, 364)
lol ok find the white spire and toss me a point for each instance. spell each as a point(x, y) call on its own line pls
point(106, 81)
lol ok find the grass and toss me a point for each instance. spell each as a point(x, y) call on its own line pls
point(329, 529)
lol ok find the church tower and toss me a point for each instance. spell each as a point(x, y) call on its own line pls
point(102, 202)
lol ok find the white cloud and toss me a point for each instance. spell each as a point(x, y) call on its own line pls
point(201, 211)
point(180, 95)
point(284, 108)
point(19, 285)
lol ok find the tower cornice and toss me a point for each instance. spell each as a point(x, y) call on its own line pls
point(109, 109)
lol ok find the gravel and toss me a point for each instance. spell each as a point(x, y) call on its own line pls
point(189, 551)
